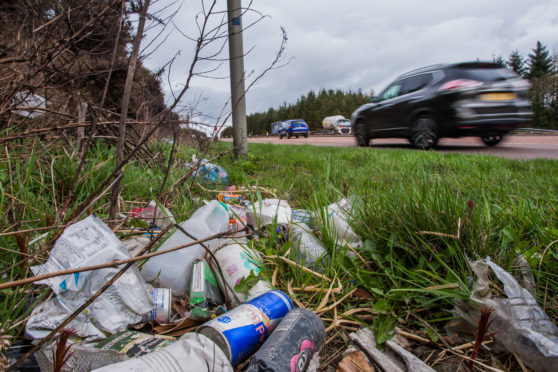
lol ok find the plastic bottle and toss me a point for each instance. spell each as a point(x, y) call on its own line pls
point(307, 248)
point(173, 270)
point(291, 345)
point(338, 214)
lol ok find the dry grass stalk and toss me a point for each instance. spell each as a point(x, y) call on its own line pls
point(323, 303)
point(439, 234)
point(293, 297)
point(338, 302)
point(313, 288)
point(290, 262)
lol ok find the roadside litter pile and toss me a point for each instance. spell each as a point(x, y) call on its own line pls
point(180, 306)
point(189, 296)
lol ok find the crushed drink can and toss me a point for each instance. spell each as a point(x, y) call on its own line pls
point(292, 344)
point(242, 330)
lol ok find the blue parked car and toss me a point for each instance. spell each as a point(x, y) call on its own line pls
point(295, 127)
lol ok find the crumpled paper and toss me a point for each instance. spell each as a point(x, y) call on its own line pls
point(85, 243)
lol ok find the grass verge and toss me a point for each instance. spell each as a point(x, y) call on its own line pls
point(420, 216)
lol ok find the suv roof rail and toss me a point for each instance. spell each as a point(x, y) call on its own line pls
point(422, 69)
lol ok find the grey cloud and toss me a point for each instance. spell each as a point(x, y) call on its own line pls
point(362, 44)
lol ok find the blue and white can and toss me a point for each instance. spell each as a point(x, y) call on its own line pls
point(242, 330)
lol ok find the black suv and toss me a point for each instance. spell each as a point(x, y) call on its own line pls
point(451, 100)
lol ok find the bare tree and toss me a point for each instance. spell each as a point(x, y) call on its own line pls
point(124, 107)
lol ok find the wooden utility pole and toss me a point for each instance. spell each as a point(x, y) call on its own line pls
point(236, 61)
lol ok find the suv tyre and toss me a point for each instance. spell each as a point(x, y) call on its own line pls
point(363, 140)
point(492, 140)
point(424, 133)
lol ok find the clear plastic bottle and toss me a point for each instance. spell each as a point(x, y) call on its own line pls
point(308, 249)
point(173, 270)
point(339, 213)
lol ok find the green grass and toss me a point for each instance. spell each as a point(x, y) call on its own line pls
point(500, 208)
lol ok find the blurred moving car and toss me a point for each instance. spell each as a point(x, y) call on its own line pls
point(450, 100)
point(295, 127)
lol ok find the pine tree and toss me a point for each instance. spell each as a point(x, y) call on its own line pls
point(517, 63)
point(499, 61)
point(540, 62)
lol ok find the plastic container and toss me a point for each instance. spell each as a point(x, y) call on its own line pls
point(302, 215)
point(237, 260)
point(291, 345)
point(173, 270)
point(242, 330)
point(268, 211)
point(193, 352)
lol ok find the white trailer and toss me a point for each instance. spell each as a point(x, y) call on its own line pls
point(337, 124)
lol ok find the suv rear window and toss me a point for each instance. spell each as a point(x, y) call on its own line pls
point(487, 74)
point(294, 122)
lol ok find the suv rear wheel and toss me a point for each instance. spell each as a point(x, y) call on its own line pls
point(492, 140)
point(362, 137)
point(424, 133)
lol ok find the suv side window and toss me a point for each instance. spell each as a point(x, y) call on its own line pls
point(414, 83)
point(392, 91)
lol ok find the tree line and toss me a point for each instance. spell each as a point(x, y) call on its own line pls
point(539, 67)
point(312, 107)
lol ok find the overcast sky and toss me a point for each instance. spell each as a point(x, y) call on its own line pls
point(351, 44)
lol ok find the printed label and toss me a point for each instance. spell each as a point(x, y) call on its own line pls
point(300, 361)
point(198, 282)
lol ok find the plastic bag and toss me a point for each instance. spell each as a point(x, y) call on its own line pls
point(519, 322)
point(209, 172)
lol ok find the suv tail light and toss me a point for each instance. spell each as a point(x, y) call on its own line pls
point(459, 84)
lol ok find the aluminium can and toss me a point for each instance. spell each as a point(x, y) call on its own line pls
point(162, 312)
point(242, 330)
point(292, 344)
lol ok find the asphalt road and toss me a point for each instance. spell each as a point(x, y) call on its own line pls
point(513, 146)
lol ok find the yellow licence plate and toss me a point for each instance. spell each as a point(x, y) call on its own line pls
point(497, 96)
